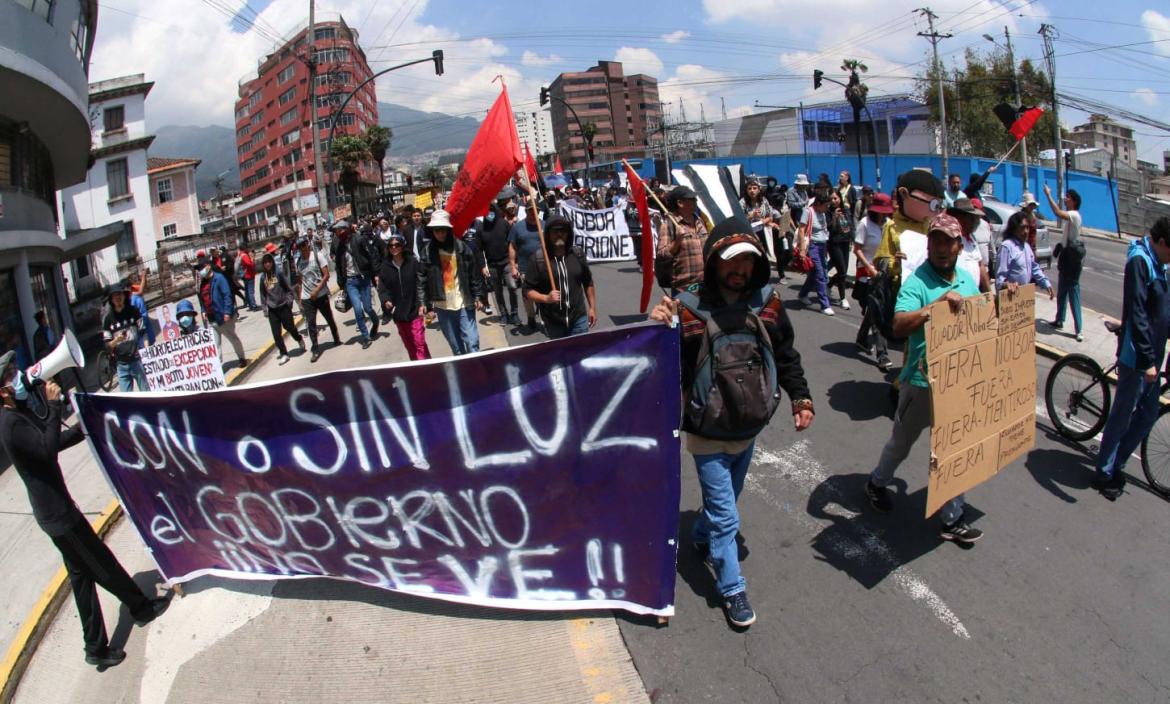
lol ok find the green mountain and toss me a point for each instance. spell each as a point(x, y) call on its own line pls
point(417, 132)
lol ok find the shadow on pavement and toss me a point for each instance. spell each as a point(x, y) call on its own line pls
point(867, 545)
point(148, 582)
point(841, 348)
point(861, 400)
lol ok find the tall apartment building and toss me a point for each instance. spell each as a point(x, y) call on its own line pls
point(44, 145)
point(620, 107)
point(275, 112)
point(535, 130)
point(1102, 132)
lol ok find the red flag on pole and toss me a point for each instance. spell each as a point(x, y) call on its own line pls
point(492, 160)
point(529, 165)
point(638, 191)
point(1027, 121)
point(557, 169)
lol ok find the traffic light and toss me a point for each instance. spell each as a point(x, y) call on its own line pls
point(589, 150)
point(1068, 161)
point(543, 97)
point(409, 181)
point(437, 55)
point(817, 78)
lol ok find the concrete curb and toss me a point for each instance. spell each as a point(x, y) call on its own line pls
point(36, 624)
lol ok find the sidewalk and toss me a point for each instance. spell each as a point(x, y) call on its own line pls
point(1099, 343)
point(300, 640)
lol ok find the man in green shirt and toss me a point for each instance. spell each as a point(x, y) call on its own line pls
point(937, 279)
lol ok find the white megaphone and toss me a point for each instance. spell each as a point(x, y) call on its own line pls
point(66, 354)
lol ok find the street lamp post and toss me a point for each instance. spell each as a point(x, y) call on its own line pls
point(436, 56)
point(586, 137)
point(855, 93)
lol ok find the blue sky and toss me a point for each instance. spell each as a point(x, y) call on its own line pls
point(718, 54)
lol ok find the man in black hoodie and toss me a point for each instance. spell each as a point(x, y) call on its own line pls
point(31, 434)
point(493, 243)
point(734, 288)
point(358, 260)
point(568, 306)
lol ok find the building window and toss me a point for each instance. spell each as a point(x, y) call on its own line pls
point(254, 99)
point(170, 230)
point(286, 74)
point(79, 35)
point(325, 33)
point(40, 8)
point(288, 116)
point(114, 118)
point(127, 246)
point(324, 56)
point(166, 191)
point(291, 137)
point(117, 179)
point(81, 268)
point(287, 96)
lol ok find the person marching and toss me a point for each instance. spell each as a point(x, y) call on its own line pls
point(276, 298)
point(313, 286)
point(451, 284)
point(681, 238)
point(866, 240)
point(813, 241)
point(400, 290)
point(1017, 265)
point(840, 220)
point(568, 303)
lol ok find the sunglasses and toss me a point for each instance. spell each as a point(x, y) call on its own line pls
point(395, 245)
point(935, 204)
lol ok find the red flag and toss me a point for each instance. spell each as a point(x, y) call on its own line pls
point(1025, 123)
point(529, 164)
point(492, 160)
point(557, 169)
point(638, 191)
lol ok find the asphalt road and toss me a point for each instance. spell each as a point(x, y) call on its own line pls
point(1061, 600)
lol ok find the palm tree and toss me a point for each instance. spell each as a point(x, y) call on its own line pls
point(435, 175)
point(349, 151)
point(378, 142)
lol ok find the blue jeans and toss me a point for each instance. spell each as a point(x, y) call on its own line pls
point(818, 252)
point(1136, 403)
point(458, 326)
point(130, 373)
point(911, 418)
point(358, 290)
point(721, 479)
point(556, 329)
point(1069, 293)
point(250, 293)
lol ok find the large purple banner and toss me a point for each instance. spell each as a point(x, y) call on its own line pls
point(545, 477)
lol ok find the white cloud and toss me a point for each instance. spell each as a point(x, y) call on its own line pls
point(1158, 27)
point(1146, 96)
point(675, 37)
point(531, 58)
point(697, 87)
point(636, 60)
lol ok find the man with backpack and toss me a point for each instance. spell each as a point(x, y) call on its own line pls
point(737, 353)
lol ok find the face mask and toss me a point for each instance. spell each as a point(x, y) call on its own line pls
point(206, 273)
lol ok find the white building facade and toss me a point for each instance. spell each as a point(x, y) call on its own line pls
point(535, 130)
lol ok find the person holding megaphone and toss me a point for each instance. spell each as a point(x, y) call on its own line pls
point(31, 434)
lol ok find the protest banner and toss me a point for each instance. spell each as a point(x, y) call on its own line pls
point(187, 363)
point(604, 235)
point(982, 372)
point(541, 477)
point(424, 200)
point(342, 212)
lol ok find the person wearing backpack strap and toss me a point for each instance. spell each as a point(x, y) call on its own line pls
point(568, 307)
point(737, 354)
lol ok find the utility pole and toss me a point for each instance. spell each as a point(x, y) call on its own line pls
point(1016, 90)
point(934, 38)
point(1047, 31)
point(723, 107)
point(318, 165)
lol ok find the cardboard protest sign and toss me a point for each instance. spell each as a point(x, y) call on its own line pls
point(982, 372)
point(539, 477)
point(604, 235)
point(188, 363)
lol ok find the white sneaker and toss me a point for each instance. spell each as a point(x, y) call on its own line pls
point(1080, 337)
point(827, 311)
point(282, 359)
point(844, 304)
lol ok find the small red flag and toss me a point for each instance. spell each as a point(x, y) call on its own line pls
point(492, 160)
point(638, 191)
point(1025, 122)
point(557, 169)
point(529, 165)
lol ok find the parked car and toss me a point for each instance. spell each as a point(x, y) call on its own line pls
point(998, 212)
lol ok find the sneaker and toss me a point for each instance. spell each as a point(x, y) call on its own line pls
point(1080, 337)
point(827, 311)
point(106, 658)
point(1057, 325)
point(864, 348)
point(879, 497)
point(844, 304)
point(155, 609)
point(316, 355)
point(885, 364)
point(282, 359)
point(366, 342)
point(739, 610)
point(961, 533)
point(243, 362)
point(1110, 487)
point(487, 310)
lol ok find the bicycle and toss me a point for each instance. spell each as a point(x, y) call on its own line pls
point(1078, 398)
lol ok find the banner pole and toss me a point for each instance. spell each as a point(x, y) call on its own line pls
point(539, 226)
point(653, 195)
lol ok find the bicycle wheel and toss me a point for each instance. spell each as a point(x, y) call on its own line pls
point(1156, 453)
point(107, 376)
point(1077, 396)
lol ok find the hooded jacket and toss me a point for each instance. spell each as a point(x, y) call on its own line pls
point(571, 274)
point(430, 272)
point(1144, 310)
point(789, 372)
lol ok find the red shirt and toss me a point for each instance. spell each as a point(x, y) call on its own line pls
point(249, 265)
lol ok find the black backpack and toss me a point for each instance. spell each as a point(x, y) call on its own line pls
point(736, 389)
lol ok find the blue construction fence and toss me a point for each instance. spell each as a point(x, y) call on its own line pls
point(1098, 195)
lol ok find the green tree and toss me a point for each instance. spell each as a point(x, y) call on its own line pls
point(349, 151)
point(435, 175)
point(378, 142)
point(971, 94)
